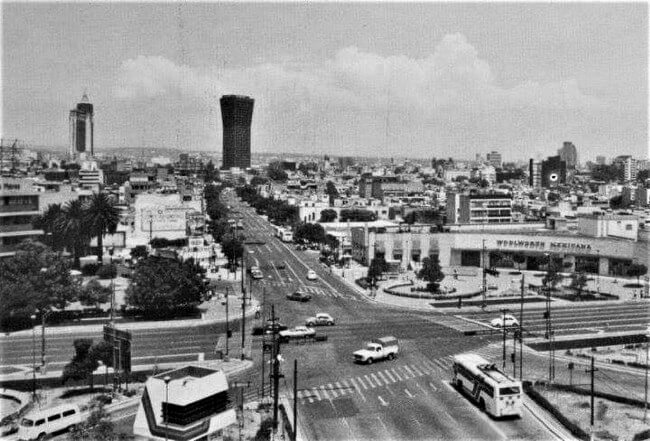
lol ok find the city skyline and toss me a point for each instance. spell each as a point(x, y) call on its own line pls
point(419, 80)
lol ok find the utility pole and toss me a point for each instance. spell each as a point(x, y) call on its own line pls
point(592, 371)
point(514, 352)
point(647, 353)
point(276, 376)
point(503, 327)
point(484, 277)
point(521, 330)
point(243, 311)
point(295, 399)
point(227, 323)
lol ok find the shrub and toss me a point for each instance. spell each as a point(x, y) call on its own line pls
point(90, 269)
point(107, 272)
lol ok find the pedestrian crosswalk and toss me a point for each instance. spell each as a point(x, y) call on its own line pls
point(313, 290)
point(441, 367)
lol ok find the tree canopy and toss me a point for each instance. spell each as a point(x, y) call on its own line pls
point(309, 232)
point(100, 217)
point(276, 173)
point(331, 191)
point(36, 278)
point(377, 268)
point(233, 248)
point(431, 272)
point(328, 215)
point(160, 285)
point(637, 270)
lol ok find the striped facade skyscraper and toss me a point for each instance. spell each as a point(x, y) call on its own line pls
point(236, 115)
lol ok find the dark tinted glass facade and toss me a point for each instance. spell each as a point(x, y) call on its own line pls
point(236, 115)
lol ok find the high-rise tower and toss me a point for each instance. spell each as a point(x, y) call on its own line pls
point(81, 129)
point(236, 114)
point(569, 154)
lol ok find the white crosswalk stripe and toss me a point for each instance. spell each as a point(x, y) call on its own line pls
point(381, 375)
point(392, 379)
point(399, 377)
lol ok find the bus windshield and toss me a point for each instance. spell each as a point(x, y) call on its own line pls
point(513, 390)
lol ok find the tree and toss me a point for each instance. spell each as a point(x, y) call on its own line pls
point(50, 223)
point(82, 365)
point(209, 173)
point(98, 426)
point(310, 232)
point(519, 259)
point(100, 217)
point(160, 285)
point(94, 293)
point(552, 276)
point(328, 215)
point(431, 272)
point(139, 252)
point(643, 175)
point(258, 180)
point(276, 173)
point(35, 279)
point(578, 283)
point(74, 229)
point(607, 173)
point(637, 270)
point(377, 268)
point(331, 191)
point(617, 202)
point(233, 247)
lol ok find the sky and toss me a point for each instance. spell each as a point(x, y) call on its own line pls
point(370, 79)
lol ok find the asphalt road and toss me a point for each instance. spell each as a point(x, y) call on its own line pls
point(408, 398)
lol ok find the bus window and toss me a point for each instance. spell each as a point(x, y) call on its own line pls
point(509, 391)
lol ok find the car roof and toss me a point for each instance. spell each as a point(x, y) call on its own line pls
point(322, 314)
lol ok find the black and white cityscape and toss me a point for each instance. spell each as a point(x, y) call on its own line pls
point(324, 221)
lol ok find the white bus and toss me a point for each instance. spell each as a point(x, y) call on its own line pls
point(284, 234)
point(493, 390)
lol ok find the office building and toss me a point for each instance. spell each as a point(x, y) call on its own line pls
point(236, 115)
point(535, 174)
point(628, 165)
point(601, 160)
point(479, 208)
point(569, 154)
point(553, 172)
point(19, 204)
point(81, 129)
point(494, 159)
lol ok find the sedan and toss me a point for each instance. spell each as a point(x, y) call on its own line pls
point(321, 319)
point(506, 320)
point(299, 296)
point(311, 275)
point(297, 333)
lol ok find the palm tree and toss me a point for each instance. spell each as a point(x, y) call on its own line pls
point(101, 217)
point(74, 229)
point(49, 223)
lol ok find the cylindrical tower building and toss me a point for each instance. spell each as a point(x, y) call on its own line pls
point(81, 129)
point(236, 115)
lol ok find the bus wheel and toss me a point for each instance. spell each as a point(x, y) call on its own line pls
point(391, 356)
point(481, 404)
point(41, 436)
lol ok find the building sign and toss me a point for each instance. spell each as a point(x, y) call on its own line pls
point(542, 245)
point(163, 219)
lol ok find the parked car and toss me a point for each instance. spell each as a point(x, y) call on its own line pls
point(311, 275)
point(506, 320)
point(299, 332)
point(299, 296)
point(281, 265)
point(321, 319)
point(274, 328)
point(377, 349)
point(257, 274)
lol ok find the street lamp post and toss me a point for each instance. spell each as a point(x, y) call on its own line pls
point(33, 317)
point(110, 252)
point(167, 379)
point(503, 327)
point(647, 354)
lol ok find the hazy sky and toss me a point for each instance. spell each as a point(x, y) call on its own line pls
point(405, 79)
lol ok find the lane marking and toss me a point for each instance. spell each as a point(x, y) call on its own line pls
point(362, 383)
point(332, 391)
point(325, 394)
point(358, 389)
point(340, 389)
point(409, 370)
point(396, 374)
point(404, 372)
point(382, 377)
point(315, 391)
point(417, 371)
point(374, 377)
point(369, 381)
point(346, 387)
point(408, 393)
point(432, 386)
point(392, 379)
point(382, 401)
point(421, 387)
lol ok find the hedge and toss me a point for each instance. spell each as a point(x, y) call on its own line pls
point(543, 402)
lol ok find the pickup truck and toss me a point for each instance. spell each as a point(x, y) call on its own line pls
point(378, 349)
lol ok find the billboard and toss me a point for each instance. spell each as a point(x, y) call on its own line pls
point(163, 219)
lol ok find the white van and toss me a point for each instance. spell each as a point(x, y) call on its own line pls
point(40, 423)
